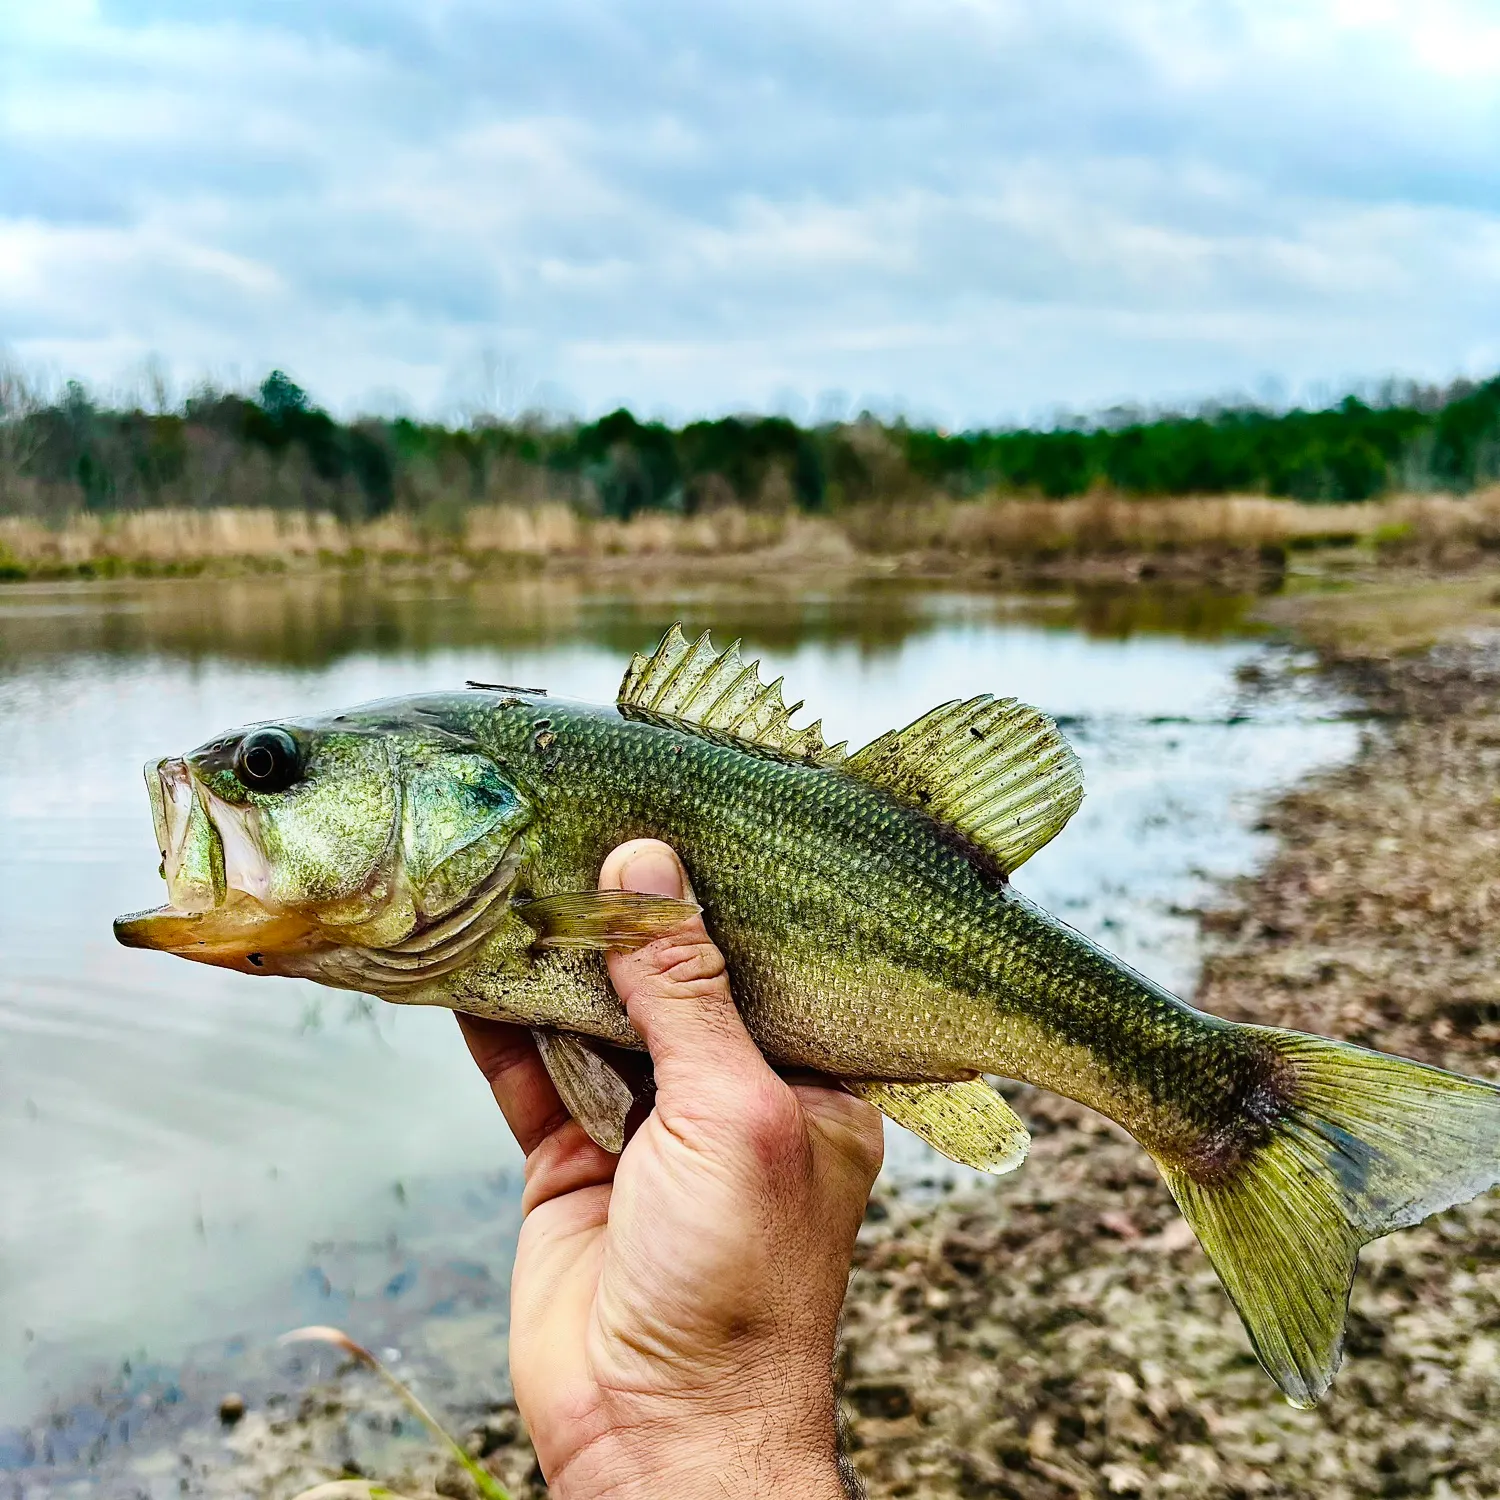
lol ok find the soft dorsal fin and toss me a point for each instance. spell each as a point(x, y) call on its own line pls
point(695, 687)
point(999, 772)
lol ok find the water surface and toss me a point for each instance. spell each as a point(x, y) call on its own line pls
point(191, 1160)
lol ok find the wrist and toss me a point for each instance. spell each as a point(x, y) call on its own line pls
point(765, 1425)
point(710, 1477)
point(722, 1460)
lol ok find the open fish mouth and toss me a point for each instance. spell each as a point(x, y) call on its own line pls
point(213, 913)
point(192, 853)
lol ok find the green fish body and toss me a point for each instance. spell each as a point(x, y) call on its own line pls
point(444, 850)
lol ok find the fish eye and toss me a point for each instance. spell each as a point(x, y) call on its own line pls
point(267, 760)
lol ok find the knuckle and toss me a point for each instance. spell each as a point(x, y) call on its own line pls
point(685, 973)
point(498, 1065)
point(564, 1158)
point(696, 967)
point(853, 1130)
point(865, 1123)
point(869, 1146)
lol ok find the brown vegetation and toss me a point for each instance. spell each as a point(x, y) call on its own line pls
point(188, 540)
point(1104, 525)
point(927, 532)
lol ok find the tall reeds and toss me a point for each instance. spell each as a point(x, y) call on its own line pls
point(936, 527)
point(1103, 525)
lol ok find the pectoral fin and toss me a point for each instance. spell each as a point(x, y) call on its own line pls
point(598, 1095)
point(621, 920)
point(968, 1122)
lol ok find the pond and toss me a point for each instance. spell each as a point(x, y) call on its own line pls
point(192, 1160)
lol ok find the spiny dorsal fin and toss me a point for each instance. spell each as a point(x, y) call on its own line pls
point(998, 771)
point(695, 687)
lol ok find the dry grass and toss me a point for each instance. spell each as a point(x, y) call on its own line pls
point(1411, 528)
point(174, 536)
point(180, 538)
point(1101, 525)
point(483, 1483)
point(1390, 615)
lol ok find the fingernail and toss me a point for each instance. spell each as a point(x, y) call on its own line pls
point(654, 872)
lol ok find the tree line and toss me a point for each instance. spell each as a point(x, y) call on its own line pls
point(67, 455)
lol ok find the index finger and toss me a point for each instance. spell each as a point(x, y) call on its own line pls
point(560, 1157)
point(517, 1077)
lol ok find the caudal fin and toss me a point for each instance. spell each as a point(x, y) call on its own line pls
point(1368, 1143)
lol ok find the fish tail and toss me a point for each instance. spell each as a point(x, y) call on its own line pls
point(1351, 1145)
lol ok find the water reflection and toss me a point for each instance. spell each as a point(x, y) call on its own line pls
point(188, 1155)
point(302, 622)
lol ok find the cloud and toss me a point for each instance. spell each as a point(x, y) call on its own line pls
point(979, 208)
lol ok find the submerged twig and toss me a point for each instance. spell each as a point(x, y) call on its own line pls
point(489, 1487)
point(349, 1489)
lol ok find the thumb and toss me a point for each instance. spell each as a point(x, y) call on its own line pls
point(676, 989)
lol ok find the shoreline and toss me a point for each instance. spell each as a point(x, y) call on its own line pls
point(995, 537)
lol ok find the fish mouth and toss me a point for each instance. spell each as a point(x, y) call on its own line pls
point(213, 914)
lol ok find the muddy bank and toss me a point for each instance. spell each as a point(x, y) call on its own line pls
point(1061, 1334)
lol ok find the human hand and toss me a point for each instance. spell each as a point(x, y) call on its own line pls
point(674, 1309)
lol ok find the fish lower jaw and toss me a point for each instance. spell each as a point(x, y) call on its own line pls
point(239, 933)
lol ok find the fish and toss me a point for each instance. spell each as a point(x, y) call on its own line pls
point(444, 848)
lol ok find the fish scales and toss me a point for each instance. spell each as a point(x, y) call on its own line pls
point(445, 850)
point(835, 904)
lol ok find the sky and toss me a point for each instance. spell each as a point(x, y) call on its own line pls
point(970, 211)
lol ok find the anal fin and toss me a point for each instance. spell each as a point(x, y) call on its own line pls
point(597, 1093)
point(968, 1122)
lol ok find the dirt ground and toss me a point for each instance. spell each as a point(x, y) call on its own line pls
point(1059, 1333)
point(1062, 1335)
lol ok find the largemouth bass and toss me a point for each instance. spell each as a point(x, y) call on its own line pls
point(444, 850)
